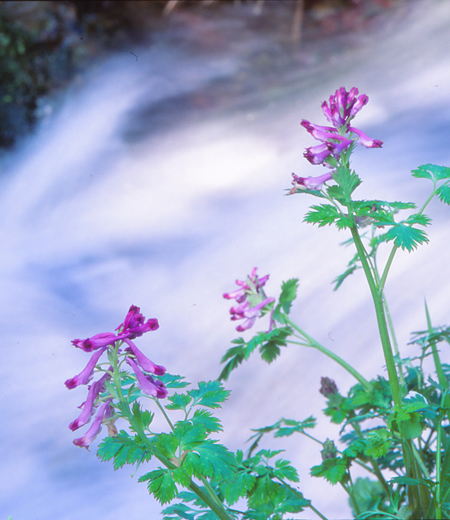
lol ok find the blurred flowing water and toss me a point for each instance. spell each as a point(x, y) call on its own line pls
point(160, 179)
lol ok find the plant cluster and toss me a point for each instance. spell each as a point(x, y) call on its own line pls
point(396, 427)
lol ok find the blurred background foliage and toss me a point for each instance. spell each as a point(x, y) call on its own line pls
point(44, 44)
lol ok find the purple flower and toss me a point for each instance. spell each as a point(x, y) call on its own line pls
point(335, 140)
point(135, 325)
point(365, 140)
point(317, 154)
point(343, 106)
point(240, 294)
point(143, 361)
point(146, 383)
point(88, 405)
point(104, 413)
point(309, 183)
point(98, 341)
point(85, 375)
point(251, 299)
point(244, 311)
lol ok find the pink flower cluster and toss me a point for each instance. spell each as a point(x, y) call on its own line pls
point(251, 300)
point(133, 326)
point(340, 110)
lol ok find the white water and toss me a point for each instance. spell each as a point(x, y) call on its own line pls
point(104, 208)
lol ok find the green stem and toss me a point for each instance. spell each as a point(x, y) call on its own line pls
point(314, 344)
point(386, 268)
point(381, 320)
point(437, 361)
point(438, 468)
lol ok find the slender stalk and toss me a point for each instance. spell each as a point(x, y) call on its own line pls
point(314, 344)
point(437, 361)
point(386, 268)
point(438, 469)
point(381, 320)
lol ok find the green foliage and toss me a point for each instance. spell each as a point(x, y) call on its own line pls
point(124, 449)
point(333, 470)
point(282, 428)
point(288, 294)
point(432, 172)
point(369, 495)
point(379, 442)
point(209, 394)
point(269, 344)
point(347, 182)
point(406, 236)
point(325, 215)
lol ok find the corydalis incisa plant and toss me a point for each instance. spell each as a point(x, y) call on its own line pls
point(101, 398)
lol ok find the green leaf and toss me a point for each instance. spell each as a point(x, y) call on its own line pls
point(291, 426)
point(180, 511)
point(276, 338)
point(143, 417)
point(288, 294)
point(284, 470)
point(207, 420)
point(166, 444)
point(378, 443)
point(189, 435)
point(214, 461)
point(443, 193)
point(178, 402)
point(325, 215)
point(268, 342)
point(238, 486)
point(348, 181)
point(406, 237)
point(172, 381)
point(124, 449)
point(332, 470)
point(432, 171)
point(209, 394)
point(368, 494)
point(161, 484)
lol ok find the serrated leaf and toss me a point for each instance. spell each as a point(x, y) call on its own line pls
point(348, 181)
point(143, 417)
point(161, 485)
point(214, 461)
point(406, 237)
point(269, 343)
point(209, 394)
point(284, 470)
point(178, 402)
point(378, 443)
point(180, 511)
point(443, 193)
point(325, 215)
point(432, 171)
point(288, 294)
point(124, 449)
point(189, 435)
point(173, 381)
point(332, 470)
point(237, 487)
point(166, 444)
point(207, 420)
